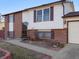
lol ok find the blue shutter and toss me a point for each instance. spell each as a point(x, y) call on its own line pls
point(34, 15)
point(51, 13)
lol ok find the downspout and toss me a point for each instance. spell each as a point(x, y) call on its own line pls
point(63, 11)
point(64, 20)
point(63, 8)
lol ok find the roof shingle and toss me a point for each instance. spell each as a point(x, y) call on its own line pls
point(71, 14)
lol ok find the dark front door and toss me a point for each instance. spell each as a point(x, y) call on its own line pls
point(24, 31)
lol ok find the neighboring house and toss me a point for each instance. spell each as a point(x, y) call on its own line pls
point(43, 22)
point(2, 27)
point(2, 22)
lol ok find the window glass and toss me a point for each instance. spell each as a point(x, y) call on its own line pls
point(44, 35)
point(46, 15)
point(11, 18)
point(39, 15)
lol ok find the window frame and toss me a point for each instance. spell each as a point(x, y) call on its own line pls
point(49, 14)
point(11, 20)
point(42, 20)
point(37, 16)
point(45, 32)
point(13, 32)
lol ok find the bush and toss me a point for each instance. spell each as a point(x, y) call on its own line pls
point(57, 44)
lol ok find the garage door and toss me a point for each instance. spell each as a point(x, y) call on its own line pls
point(73, 32)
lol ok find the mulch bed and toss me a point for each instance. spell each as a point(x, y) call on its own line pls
point(42, 44)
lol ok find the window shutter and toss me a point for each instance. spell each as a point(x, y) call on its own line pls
point(51, 13)
point(34, 15)
point(52, 34)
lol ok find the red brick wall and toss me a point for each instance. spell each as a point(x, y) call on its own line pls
point(32, 34)
point(2, 34)
point(18, 25)
point(60, 35)
point(6, 26)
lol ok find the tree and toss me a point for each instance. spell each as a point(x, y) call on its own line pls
point(1, 18)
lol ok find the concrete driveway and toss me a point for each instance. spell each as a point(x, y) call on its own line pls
point(71, 51)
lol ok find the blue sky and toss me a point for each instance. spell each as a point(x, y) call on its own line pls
point(7, 6)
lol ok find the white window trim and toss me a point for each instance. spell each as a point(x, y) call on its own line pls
point(49, 14)
point(42, 14)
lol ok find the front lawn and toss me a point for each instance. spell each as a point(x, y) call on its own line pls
point(20, 53)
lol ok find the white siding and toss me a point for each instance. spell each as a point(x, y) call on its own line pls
point(28, 17)
point(57, 23)
point(69, 7)
point(58, 13)
point(70, 19)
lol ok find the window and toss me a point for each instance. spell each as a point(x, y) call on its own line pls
point(39, 15)
point(11, 18)
point(44, 35)
point(11, 34)
point(43, 15)
point(46, 15)
point(11, 26)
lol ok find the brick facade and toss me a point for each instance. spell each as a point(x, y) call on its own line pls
point(60, 35)
point(18, 25)
point(6, 25)
point(32, 34)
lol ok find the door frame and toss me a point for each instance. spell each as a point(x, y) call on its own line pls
point(68, 28)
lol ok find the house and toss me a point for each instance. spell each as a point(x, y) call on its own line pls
point(2, 27)
point(43, 22)
point(72, 20)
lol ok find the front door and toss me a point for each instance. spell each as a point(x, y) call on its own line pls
point(24, 31)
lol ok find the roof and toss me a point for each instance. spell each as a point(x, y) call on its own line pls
point(34, 7)
point(71, 14)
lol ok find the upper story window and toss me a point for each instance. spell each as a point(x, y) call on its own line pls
point(39, 15)
point(46, 15)
point(11, 18)
point(43, 15)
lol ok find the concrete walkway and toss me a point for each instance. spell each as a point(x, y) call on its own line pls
point(33, 47)
point(70, 51)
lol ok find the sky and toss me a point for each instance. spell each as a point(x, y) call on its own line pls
point(7, 6)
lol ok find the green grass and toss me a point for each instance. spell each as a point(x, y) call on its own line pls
point(18, 52)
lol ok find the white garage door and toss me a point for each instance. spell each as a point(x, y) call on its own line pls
point(73, 32)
